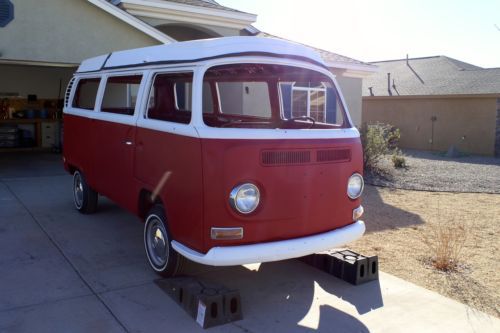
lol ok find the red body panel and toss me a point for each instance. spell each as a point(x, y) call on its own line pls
point(98, 148)
point(112, 174)
point(78, 142)
point(194, 177)
point(296, 200)
point(171, 164)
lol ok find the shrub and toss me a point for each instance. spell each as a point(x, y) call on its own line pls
point(398, 161)
point(378, 140)
point(446, 241)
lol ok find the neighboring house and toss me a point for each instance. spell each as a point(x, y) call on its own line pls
point(42, 44)
point(436, 102)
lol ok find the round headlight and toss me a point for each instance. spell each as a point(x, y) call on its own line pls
point(355, 186)
point(244, 198)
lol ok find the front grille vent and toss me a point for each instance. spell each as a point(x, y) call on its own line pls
point(333, 155)
point(285, 157)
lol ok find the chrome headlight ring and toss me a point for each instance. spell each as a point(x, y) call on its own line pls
point(245, 198)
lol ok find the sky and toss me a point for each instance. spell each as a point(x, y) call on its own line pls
point(386, 29)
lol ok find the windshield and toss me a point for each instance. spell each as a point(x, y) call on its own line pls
point(270, 96)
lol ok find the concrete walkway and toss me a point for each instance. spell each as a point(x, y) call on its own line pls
point(61, 271)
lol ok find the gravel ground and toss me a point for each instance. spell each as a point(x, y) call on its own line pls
point(430, 171)
point(399, 221)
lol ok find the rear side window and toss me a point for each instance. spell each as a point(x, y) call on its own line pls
point(170, 97)
point(85, 93)
point(120, 94)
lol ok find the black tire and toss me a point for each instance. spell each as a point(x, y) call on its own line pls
point(84, 197)
point(162, 258)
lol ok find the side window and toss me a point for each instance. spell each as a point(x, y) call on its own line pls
point(120, 94)
point(85, 93)
point(170, 97)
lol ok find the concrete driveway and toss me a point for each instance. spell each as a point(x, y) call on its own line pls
point(61, 271)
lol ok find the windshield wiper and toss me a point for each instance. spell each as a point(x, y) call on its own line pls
point(303, 118)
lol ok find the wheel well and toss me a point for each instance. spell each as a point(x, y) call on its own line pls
point(146, 201)
point(72, 169)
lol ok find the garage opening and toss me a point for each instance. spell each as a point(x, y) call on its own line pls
point(31, 107)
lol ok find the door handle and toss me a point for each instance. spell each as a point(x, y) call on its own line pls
point(128, 143)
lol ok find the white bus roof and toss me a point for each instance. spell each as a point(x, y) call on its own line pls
point(199, 50)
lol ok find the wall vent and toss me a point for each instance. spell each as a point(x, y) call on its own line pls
point(6, 12)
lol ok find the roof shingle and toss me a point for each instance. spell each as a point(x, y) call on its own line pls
point(326, 55)
point(439, 75)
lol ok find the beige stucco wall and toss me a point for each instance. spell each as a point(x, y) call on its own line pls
point(40, 81)
point(351, 89)
point(65, 31)
point(466, 123)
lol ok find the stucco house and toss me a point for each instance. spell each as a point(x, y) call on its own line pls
point(437, 102)
point(41, 45)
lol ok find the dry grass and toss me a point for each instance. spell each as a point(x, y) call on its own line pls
point(446, 242)
point(399, 222)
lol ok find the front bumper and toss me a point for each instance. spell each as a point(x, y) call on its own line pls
point(273, 251)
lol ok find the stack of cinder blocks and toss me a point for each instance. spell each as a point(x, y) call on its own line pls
point(346, 265)
point(209, 304)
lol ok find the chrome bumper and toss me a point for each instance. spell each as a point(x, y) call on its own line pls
point(273, 251)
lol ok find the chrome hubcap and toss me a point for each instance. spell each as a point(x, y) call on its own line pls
point(78, 190)
point(157, 243)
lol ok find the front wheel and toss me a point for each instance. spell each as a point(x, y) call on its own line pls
point(84, 196)
point(157, 241)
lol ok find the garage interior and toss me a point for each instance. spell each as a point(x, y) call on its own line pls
point(31, 107)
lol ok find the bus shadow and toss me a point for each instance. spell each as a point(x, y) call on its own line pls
point(291, 296)
point(381, 216)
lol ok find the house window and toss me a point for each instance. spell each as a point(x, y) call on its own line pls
point(6, 12)
point(309, 101)
point(85, 94)
point(120, 94)
point(318, 100)
point(170, 97)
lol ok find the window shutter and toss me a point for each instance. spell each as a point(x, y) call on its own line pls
point(331, 106)
point(6, 12)
point(286, 96)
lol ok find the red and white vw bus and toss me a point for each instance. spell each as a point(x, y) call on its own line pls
point(233, 150)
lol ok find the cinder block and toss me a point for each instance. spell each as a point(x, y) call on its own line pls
point(209, 304)
point(355, 266)
point(210, 311)
point(232, 306)
point(346, 265)
point(372, 268)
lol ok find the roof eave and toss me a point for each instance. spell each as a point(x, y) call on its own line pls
point(133, 21)
point(479, 95)
point(353, 70)
point(188, 13)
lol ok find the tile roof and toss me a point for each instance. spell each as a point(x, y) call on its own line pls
point(326, 55)
point(438, 75)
